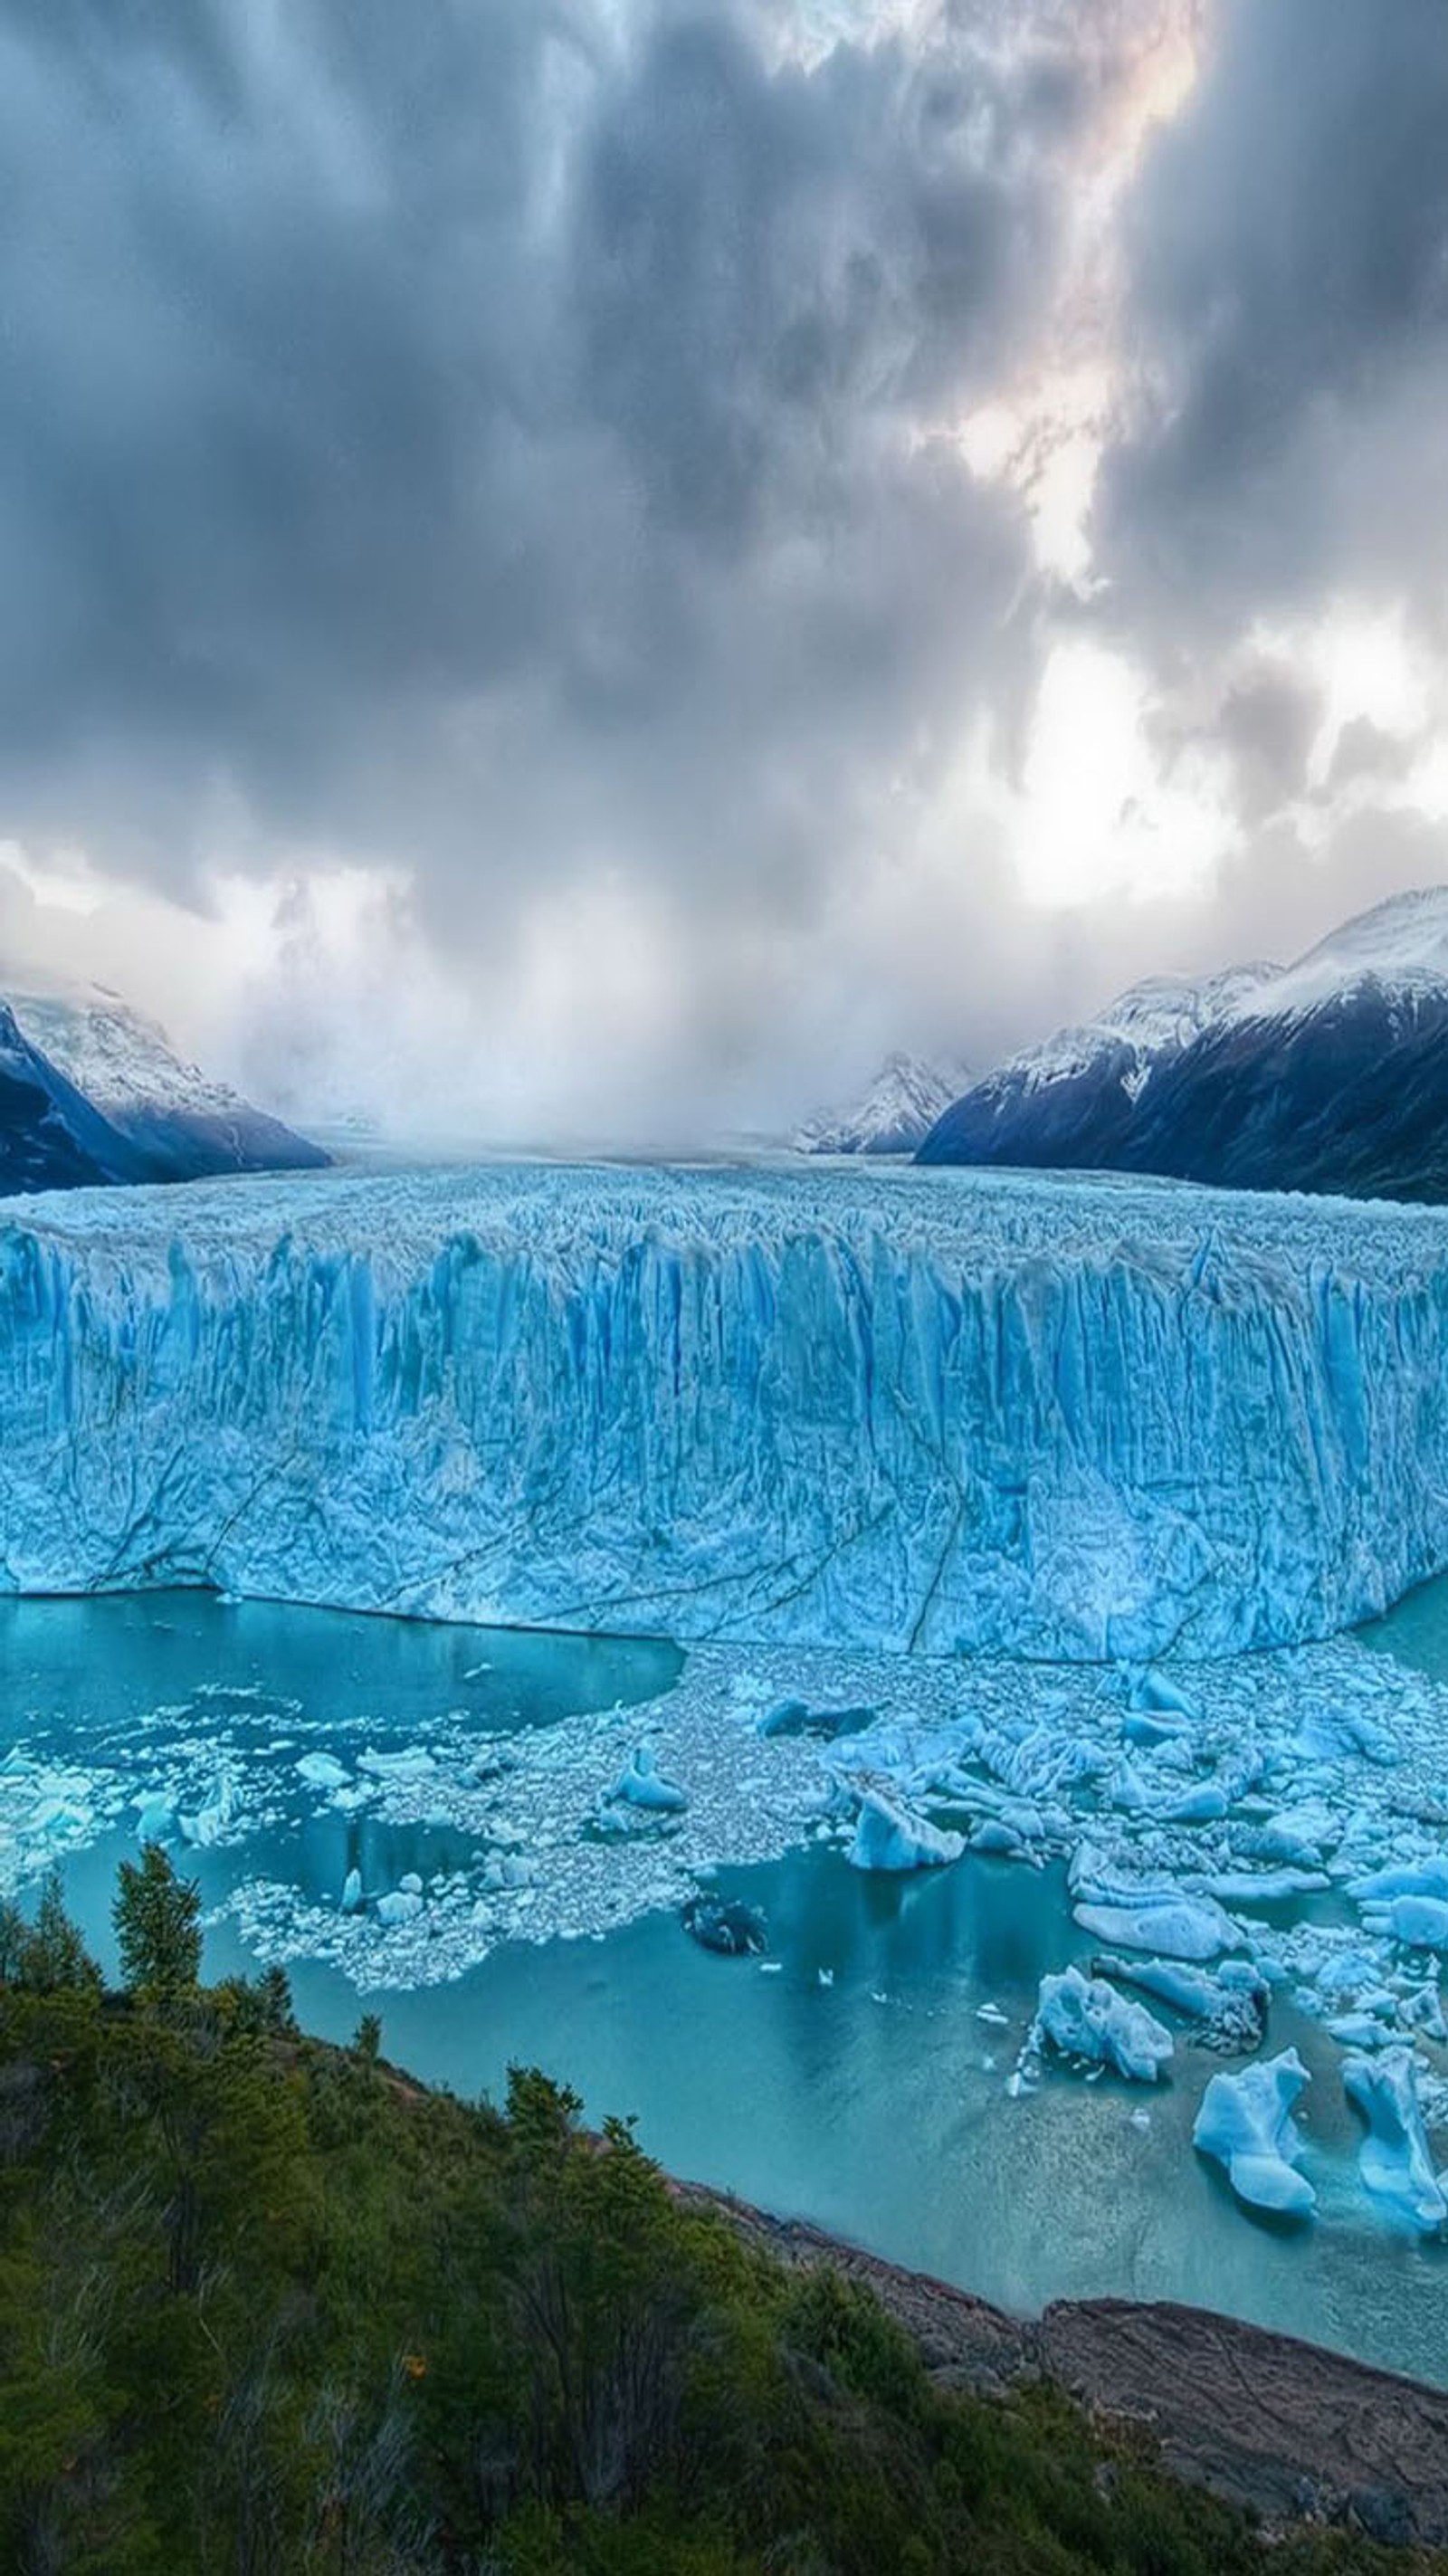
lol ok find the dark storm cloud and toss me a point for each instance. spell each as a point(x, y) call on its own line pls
point(485, 433)
point(1288, 253)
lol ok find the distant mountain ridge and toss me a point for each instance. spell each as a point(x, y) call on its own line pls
point(93, 1092)
point(1328, 1075)
point(893, 1116)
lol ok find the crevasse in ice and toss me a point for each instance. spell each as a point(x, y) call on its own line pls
point(943, 1412)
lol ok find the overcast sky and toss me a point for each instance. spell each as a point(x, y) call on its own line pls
point(582, 567)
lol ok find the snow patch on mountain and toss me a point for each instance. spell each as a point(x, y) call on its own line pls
point(152, 1115)
point(892, 1116)
point(118, 1058)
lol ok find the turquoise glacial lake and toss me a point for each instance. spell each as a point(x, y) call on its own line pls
point(850, 2079)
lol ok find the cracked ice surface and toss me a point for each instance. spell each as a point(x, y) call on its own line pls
point(946, 1411)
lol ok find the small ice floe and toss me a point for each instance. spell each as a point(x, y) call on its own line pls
point(993, 2014)
point(1425, 1877)
point(323, 1771)
point(204, 1826)
point(1418, 1922)
point(402, 1904)
point(1175, 1926)
point(1140, 2118)
point(156, 1817)
point(351, 1897)
point(413, 1763)
point(1264, 1886)
point(1295, 1837)
point(1360, 2030)
point(1393, 2159)
point(1229, 2002)
point(639, 1784)
point(1083, 2017)
point(889, 1836)
point(1151, 1694)
point(826, 1976)
point(1246, 2123)
point(1150, 1728)
point(1206, 1804)
point(508, 1870)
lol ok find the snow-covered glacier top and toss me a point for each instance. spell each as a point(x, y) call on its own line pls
point(943, 1411)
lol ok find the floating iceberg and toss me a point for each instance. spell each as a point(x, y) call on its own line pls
point(1419, 1922)
point(1153, 1694)
point(1179, 1927)
point(402, 1905)
point(1084, 2017)
point(1246, 2122)
point(323, 1771)
point(888, 1836)
point(1393, 2159)
point(639, 1784)
point(1230, 2002)
point(946, 1411)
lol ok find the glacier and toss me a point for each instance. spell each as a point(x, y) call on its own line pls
point(948, 1412)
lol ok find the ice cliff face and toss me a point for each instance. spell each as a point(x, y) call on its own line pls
point(937, 1412)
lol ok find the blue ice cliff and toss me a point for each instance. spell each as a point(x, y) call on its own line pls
point(940, 1412)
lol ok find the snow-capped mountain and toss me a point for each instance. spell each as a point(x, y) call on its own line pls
point(1330, 1074)
point(893, 1116)
point(91, 1091)
point(50, 1136)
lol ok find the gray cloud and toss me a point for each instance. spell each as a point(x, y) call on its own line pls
point(484, 435)
point(512, 439)
point(1288, 251)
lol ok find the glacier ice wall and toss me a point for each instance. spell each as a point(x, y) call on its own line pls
point(941, 1412)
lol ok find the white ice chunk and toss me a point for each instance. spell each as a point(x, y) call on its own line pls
point(1426, 1877)
point(1393, 2159)
point(1246, 2122)
point(889, 1836)
point(403, 1905)
point(1084, 2017)
point(323, 1771)
point(1152, 1694)
point(1419, 1922)
point(1179, 1927)
point(639, 1784)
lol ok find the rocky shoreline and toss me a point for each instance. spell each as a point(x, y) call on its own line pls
point(1284, 2430)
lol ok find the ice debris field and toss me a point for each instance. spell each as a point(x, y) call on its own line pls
point(943, 1412)
point(954, 1486)
point(1273, 1829)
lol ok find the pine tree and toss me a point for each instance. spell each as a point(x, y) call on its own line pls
point(157, 1920)
point(54, 1958)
